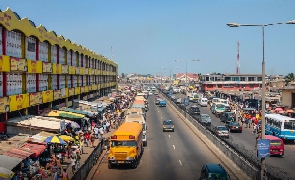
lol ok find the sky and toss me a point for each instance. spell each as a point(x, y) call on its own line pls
point(146, 36)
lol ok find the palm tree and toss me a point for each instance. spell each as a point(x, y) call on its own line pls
point(289, 78)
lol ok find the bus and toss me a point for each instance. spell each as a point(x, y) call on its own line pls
point(280, 126)
point(135, 117)
point(126, 145)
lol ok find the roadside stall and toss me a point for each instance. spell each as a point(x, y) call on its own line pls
point(9, 166)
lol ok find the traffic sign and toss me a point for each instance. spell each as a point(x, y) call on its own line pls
point(186, 101)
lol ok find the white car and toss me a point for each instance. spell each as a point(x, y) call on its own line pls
point(150, 93)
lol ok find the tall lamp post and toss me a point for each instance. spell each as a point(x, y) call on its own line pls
point(263, 81)
point(170, 72)
point(196, 60)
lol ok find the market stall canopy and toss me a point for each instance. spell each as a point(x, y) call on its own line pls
point(18, 153)
point(36, 148)
point(73, 125)
point(39, 138)
point(9, 162)
point(76, 111)
point(65, 114)
point(66, 138)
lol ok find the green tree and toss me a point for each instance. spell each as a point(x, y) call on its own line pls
point(289, 78)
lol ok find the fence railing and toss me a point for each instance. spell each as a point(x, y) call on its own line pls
point(245, 159)
point(83, 171)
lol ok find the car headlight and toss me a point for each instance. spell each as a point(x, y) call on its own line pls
point(112, 158)
point(130, 158)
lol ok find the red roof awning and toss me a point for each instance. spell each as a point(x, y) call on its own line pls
point(18, 153)
point(37, 149)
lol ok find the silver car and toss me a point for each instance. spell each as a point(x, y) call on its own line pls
point(221, 131)
point(205, 119)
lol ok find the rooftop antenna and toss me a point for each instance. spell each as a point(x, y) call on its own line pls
point(238, 58)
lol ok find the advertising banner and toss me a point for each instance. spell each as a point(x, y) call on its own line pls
point(65, 69)
point(4, 104)
point(82, 89)
point(35, 98)
point(47, 67)
point(47, 96)
point(34, 66)
point(56, 94)
point(4, 64)
point(77, 90)
point(18, 102)
point(77, 70)
point(71, 92)
point(263, 148)
point(17, 64)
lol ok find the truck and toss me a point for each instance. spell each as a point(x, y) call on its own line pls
point(162, 103)
point(135, 117)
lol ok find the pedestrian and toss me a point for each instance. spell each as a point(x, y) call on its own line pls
point(96, 130)
point(65, 175)
point(73, 163)
point(87, 136)
point(254, 129)
point(101, 132)
point(92, 138)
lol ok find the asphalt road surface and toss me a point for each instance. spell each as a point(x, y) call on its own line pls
point(247, 138)
point(168, 155)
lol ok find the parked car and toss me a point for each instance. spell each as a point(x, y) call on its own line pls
point(214, 171)
point(168, 125)
point(221, 131)
point(156, 93)
point(178, 101)
point(234, 126)
point(194, 110)
point(205, 119)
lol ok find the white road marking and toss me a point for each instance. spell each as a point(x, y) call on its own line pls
point(169, 135)
point(158, 111)
point(180, 162)
point(161, 117)
point(173, 146)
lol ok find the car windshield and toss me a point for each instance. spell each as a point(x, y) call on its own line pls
point(123, 143)
point(235, 124)
point(205, 116)
point(221, 128)
point(168, 123)
point(194, 108)
point(220, 106)
point(275, 143)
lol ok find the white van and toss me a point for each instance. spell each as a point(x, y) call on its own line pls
point(203, 102)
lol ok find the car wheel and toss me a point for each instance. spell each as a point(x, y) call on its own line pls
point(110, 166)
point(240, 131)
point(173, 130)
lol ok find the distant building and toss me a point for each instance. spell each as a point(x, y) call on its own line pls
point(237, 82)
point(288, 96)
point(190, 77)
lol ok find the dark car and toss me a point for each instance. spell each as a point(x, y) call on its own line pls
point(213, 172)
point(194, 110)
point(168, 125)
point(228, 117)
point(234, 126)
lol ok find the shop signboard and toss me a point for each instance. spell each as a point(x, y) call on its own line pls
point(263, 148)
point(77, 90)
point(86, 88)
point(90, 71)
point(77, 70)
point(71, 92)
point(34, 66)
point(94, 87)
point(56, 94)
point(47, 96)
point(56, 68)
point(47, 67)
point(65, 69)
point(4, 63)
point(4, 104)
point(82, 89)
point(17, 64)
point(64, 92)
point(35, 98)
point(17, 102)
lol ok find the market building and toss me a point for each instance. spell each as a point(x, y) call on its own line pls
point(40, 69)
point(288, 96)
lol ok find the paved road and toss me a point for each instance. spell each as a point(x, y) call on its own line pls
point(168, 155)
point(247, 139)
